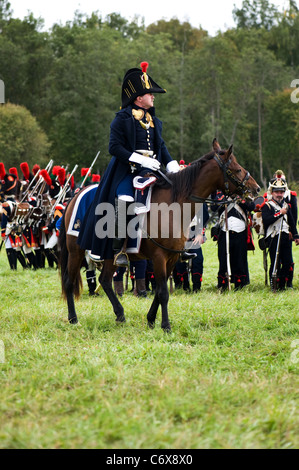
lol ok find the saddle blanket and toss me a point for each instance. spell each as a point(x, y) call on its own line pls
point(143, 193)
point(82, 204)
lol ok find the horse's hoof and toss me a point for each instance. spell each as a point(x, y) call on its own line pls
point(73, 321)
point(151, 325)
point(121, 319)
point(166, 329)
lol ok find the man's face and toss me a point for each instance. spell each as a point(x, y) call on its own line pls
point(146, 101)
point(278, 195)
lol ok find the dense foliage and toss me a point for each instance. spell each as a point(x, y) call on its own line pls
point(234, 86)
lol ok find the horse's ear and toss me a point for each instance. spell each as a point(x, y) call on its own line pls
point(229, 152)
point(216, 146)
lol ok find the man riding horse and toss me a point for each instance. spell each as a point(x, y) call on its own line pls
point(137, 147)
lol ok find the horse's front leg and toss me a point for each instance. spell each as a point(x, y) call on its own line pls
point(163, 298)
point(106, 282)
point(161, 294)
point(152, 313)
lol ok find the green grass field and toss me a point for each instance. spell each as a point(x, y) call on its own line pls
point(226, 377)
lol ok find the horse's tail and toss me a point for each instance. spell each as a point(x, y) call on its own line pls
point(68, 286)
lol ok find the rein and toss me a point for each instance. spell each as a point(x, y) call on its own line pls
point(162, 246)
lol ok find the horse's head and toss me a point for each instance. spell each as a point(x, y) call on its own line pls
point(236, 180)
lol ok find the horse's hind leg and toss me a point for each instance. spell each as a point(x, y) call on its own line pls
point(73, 282)
point(106, 282)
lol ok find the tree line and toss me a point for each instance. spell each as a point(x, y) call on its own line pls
point(63, 87)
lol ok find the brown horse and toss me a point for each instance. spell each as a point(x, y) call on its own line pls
point(218, 169)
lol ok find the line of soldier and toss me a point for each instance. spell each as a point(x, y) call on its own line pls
point(31, 207)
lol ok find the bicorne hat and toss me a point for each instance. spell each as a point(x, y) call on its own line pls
point(137, 82)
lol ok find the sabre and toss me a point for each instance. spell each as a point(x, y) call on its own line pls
point(89, 170)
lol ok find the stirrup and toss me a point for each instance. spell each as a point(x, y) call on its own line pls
point(186, 256)
point(121, 260)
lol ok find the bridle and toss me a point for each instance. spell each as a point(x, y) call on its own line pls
point(229, 176)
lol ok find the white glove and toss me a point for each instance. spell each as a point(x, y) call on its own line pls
point(145, 162)
point(172, 167)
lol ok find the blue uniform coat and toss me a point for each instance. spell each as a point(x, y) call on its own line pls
point(121, 145)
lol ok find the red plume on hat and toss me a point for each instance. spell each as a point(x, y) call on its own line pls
point(72, 180)
point(14, 171)
point(25, 170)
point(35, 169)
point(84, 171)
point(61, 176)
point(55, 170)
point(95, 178)
point(46, 177)
point(144, 66)
point(2, 171)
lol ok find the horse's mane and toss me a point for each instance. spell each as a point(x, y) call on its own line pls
point(183, 181)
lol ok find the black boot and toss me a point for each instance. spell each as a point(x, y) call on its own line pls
point(120, 257)
point(39, 258)
point(12, 258)
point(119, 287)
point(196, 281)
point(222, 283)
point(140, 288)
point(91, 282)
point(32, 260)
point(290, 277)
point(49, 253)
point(21, 259)
point(121, 220)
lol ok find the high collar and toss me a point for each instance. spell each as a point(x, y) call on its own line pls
point(150, 110)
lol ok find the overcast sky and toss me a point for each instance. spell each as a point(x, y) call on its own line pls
point(211, 15)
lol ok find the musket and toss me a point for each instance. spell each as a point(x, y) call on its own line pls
point(63, 192)
point(29, 186)
point(275, 267)
point(229, 273)
point(39, 181)
point(89, 170)
point(265, 254)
